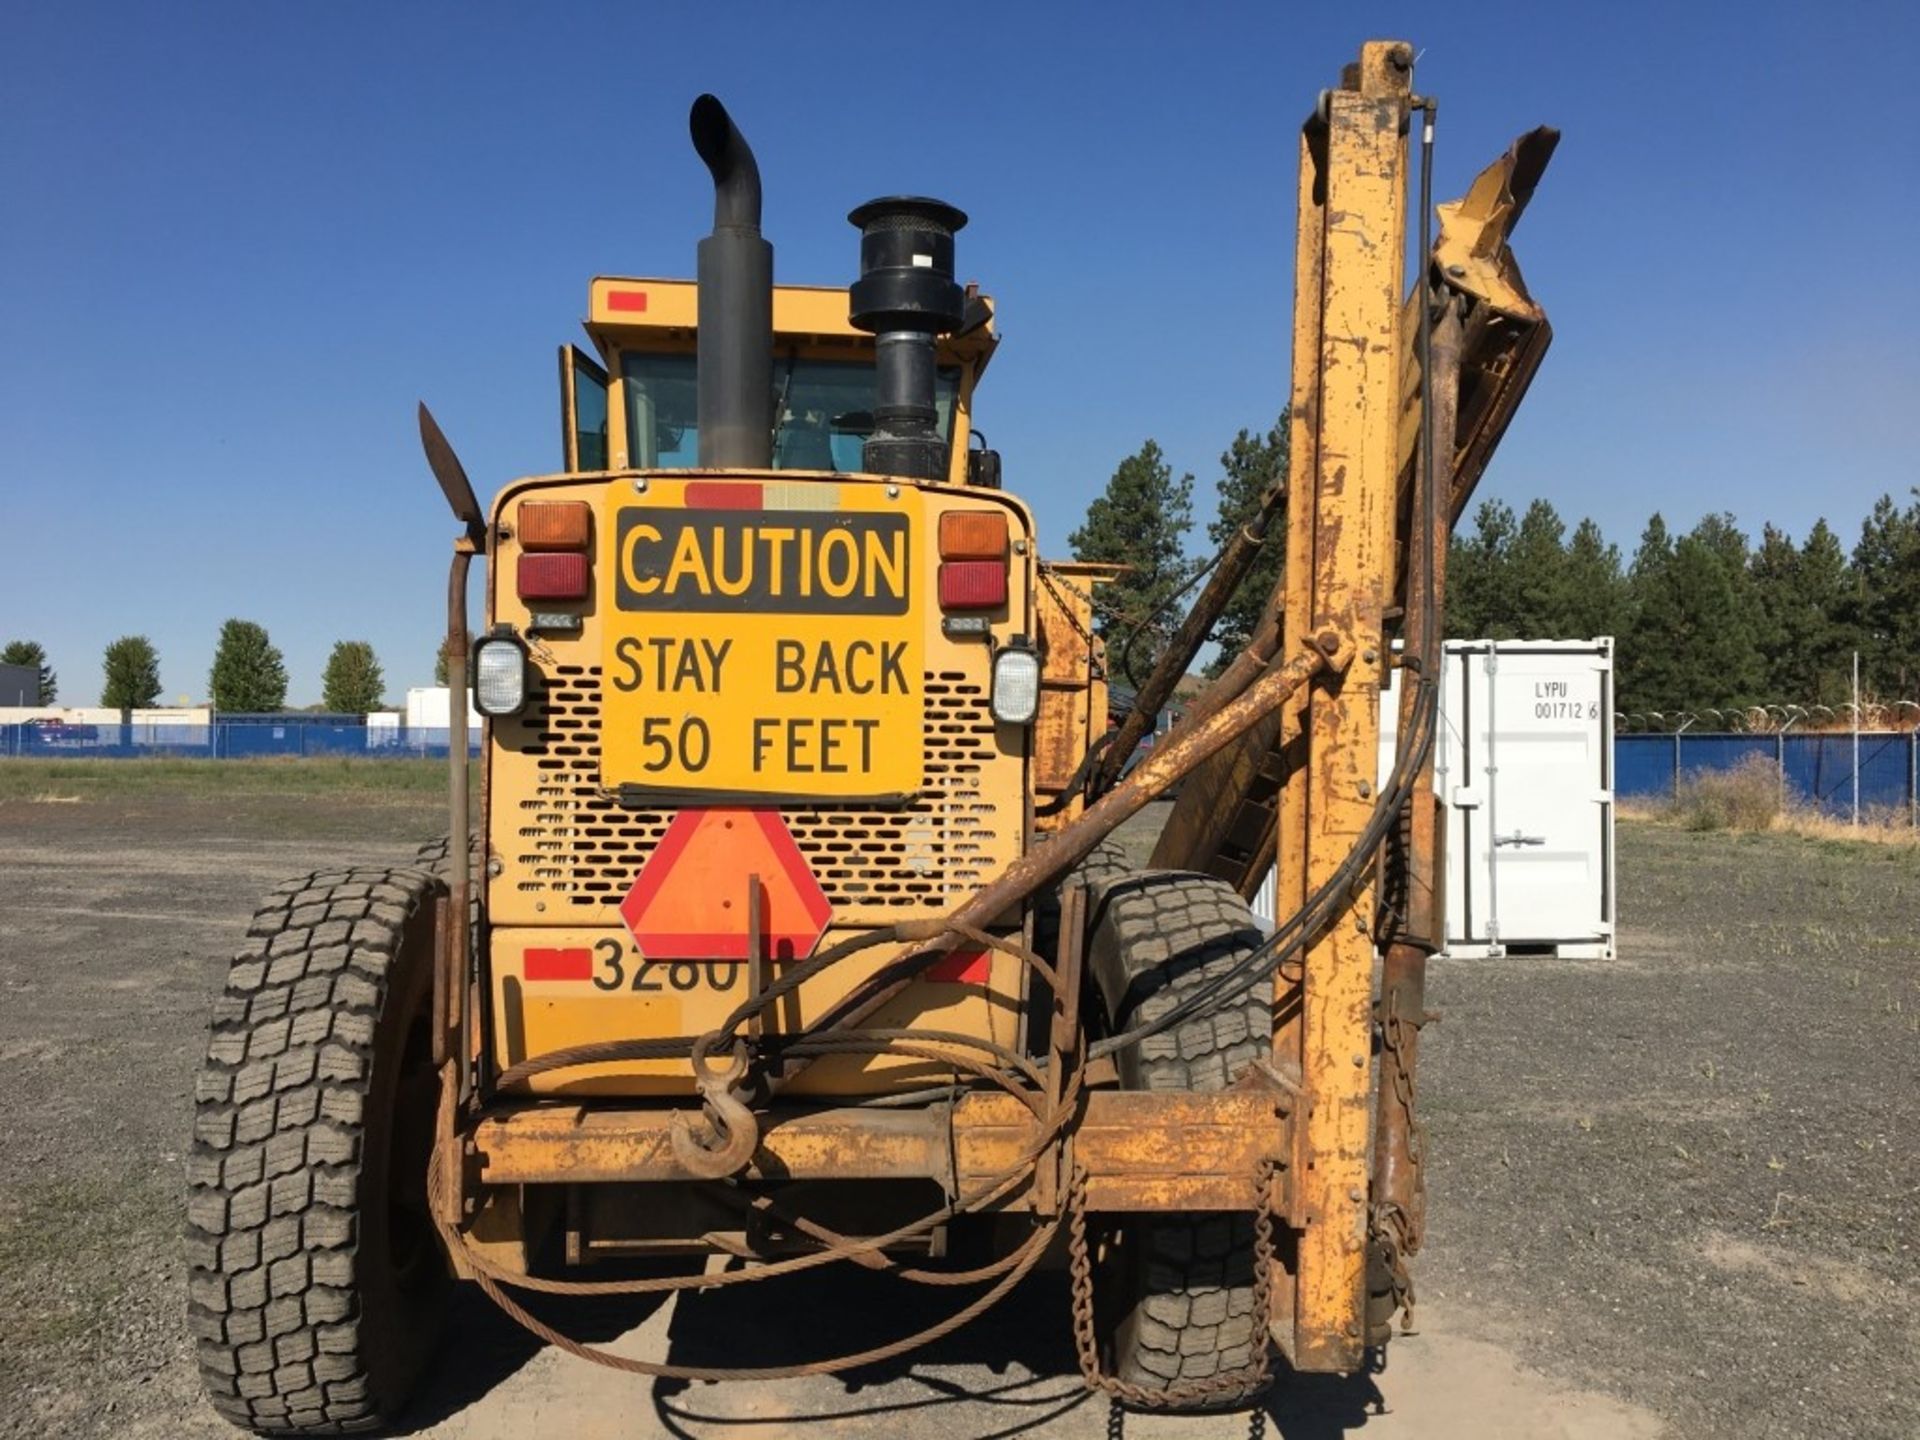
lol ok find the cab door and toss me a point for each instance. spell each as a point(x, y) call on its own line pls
point(583, 411)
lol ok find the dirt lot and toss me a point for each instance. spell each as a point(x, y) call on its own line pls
point(1676, 1194)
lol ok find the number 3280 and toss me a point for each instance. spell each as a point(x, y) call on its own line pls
point(615, 969)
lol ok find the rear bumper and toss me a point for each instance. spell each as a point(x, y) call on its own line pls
point(1139, 1151)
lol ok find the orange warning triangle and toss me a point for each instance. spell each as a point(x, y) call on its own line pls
point(689, 901)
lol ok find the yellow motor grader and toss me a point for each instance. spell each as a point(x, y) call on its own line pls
point(788, 931)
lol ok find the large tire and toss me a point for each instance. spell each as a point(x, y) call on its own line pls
point(1103, 864)
point(1180, 1287)
point(315, 1280)
point(431, 856)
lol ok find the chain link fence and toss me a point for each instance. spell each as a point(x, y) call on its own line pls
point(1828, 771)
point(224, 741)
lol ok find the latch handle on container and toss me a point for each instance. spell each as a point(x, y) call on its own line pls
point(1516, 838)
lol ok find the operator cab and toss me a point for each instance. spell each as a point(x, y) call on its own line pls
point(635, 408)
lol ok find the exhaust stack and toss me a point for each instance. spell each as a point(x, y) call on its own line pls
point(904, 298)
point(734, 376)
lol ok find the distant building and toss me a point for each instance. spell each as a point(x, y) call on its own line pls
point(430, 707)
point(19, 685)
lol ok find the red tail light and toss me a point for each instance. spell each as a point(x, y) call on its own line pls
point(973, 584)
point(553, 577)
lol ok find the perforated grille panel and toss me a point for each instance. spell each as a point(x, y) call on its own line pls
point(576, 848)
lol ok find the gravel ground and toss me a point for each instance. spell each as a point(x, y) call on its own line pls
point(1674, 1194)
point(1693, 1174)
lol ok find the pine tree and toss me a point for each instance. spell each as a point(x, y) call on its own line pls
point(1886, 608)
point(1656, 550)
point(1593, 591)
point(1538, 574)
point(249, 676)
point(1780, 625)
point(440, 665)
point(1642, 664)
point(132, 674)
point(1824, 645)
point(1251, 464)
point(1480, 592)
point(1692, 643)
point(30, 652)
point(1720, 534)
point(352, 684)
point(1141, 521)
point(1804, 615)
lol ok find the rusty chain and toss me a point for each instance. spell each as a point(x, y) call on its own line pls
point(1055, 584)
point(1249, 1379)
point(1391, 1226)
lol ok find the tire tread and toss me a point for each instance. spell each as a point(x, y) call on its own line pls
point(1158, 937)
point(272, 1196)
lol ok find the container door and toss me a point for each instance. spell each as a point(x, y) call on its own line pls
point(1452, 781)
point(1538, 858)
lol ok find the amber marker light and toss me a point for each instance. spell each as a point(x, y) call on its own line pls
point(554, 524)
point(973, 535)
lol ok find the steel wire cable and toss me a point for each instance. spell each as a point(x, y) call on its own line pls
point(1028, 1256)
point(986, 1192)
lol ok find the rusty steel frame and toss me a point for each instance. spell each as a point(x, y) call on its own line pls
point(1143, 1151)
point(1277, 795)
point(1342, 568)
point(1185, 642)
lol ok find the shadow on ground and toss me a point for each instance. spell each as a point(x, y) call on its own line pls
point(1024, 1345)
point(483, 1348)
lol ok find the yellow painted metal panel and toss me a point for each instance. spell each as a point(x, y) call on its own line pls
point(544, 999)
point(563, 848)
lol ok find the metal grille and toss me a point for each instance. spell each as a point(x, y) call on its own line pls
point(578, 847)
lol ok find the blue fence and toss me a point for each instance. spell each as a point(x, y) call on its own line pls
point(244, 740)
point(1818, 769)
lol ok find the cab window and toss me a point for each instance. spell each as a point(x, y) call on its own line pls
point(823, 411)
point(583, 412)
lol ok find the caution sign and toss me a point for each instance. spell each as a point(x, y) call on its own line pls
point(763, 562)
point(762, 653)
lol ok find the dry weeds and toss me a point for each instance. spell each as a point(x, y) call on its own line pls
point(1747, 799)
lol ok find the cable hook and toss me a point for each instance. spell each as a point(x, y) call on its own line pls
point(734, 1133)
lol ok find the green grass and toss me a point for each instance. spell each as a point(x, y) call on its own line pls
point(56, 780)
point(59, 1278)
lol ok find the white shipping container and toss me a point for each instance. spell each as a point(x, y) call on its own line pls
point(430, 707)
point(1526, 767)
point(1524, 764)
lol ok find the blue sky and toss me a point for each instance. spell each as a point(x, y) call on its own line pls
point(243, 239)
